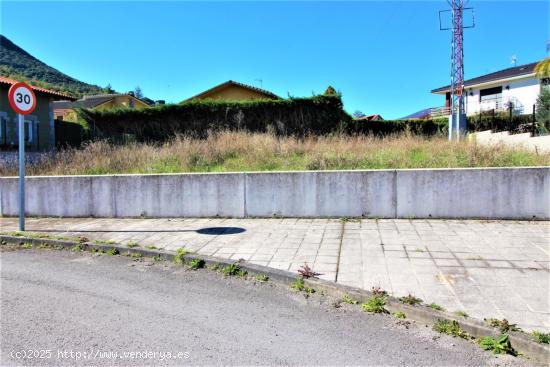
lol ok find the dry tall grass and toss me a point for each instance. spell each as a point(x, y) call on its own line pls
point(241, 151)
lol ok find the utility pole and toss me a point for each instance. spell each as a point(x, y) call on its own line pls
point(457, 119)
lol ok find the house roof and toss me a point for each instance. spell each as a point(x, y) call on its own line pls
point(370, 118)
point(229, 83)
point(516, 71)
point(8, 81)
point(89, 101)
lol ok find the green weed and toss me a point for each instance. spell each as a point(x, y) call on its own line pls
point(543, 338)
point(435, 306)
point(157, 257)
point(299, 285)
point(410, 300)
point(77, 248)
point(27, 245)
point(375, 304)
point(132, 244)
point(179, 257)
point(262, 278)
point(112, 251)
point(196, 264)
point(461, 314)
point(350, 301)
point(451, 328)
point(151, 247)
point(503, 325)
point(500, 345)
point(97, 250)
point(399, 314)
point(104, 242)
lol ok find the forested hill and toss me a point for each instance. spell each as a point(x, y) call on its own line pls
point(16, 63)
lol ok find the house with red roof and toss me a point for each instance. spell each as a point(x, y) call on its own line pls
point(39, 126)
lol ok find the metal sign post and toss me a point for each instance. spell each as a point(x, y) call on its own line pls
point(22, 101)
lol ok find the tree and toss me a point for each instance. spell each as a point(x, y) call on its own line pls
point(358, 114)
point(138, 93)
point(330, 91)
point(108, 89)
point(543, 108)
point(542, 70)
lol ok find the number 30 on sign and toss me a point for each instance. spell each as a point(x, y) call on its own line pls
point(22, 98)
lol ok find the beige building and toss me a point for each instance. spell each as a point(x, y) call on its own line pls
point(234, 91)
point(65, 110)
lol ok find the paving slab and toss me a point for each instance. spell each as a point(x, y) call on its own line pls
point(485, 268)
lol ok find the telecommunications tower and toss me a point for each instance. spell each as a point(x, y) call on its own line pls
point(457, 118)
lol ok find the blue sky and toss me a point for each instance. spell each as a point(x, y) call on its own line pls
point(384, 56)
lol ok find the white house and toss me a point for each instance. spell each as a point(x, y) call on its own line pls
point(516, 87)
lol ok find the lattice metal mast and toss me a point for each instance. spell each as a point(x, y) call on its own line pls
point(457, 118)
point(457, 64)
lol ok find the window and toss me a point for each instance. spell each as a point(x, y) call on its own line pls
point(28, 131)
point(490, 94)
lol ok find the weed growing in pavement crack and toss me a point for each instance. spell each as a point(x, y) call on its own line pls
point(375, 304)
point(77, 248)
point(262, 278)
point(234, 269)
point(299, 285)
point(306, 272)
point(377, 291)
point(347, 299)
point(179, 257)
point(196, 264)
point(157, 257)
point(410, 300)
point(500, 345)
point(214, 267)
point(461, 314)
point(543, 338)
point(435, 306)
point(97, 250)
point(112, 251)
point(136, 255)
point(151, 247)
point(26, 245)
point(503, 325)
point(451, 328)
point(399, 314)
point(104, 242)
point(132, 244)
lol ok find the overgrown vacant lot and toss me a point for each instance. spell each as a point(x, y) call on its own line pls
point(240, 151)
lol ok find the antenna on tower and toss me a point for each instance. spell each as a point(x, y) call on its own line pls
point(457, 119)
point(514, 60)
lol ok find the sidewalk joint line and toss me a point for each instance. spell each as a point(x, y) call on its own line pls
point(339, 251)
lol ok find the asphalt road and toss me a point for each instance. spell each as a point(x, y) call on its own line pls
point(65, 308)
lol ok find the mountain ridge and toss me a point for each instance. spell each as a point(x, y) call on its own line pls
point(16, 63)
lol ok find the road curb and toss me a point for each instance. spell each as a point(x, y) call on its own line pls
point(423, 314)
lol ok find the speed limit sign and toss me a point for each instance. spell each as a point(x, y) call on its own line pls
point(22, 98)
point(23, 101)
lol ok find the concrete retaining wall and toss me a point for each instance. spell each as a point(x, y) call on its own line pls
point(437, 193)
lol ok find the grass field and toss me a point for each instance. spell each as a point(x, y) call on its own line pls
point(239, 151)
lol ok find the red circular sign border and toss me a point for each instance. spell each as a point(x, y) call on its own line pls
point(12, 101)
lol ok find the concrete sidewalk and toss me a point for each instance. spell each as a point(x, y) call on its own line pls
point(486, 268)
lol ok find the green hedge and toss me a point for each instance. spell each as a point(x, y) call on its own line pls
point(321, 114)
point(497, 121)
point(68, 134)
point(387, 127)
